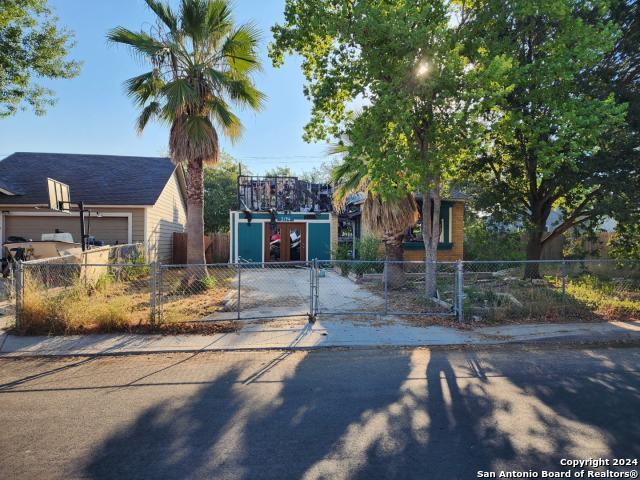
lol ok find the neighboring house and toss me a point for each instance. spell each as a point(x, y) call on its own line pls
point(451, 245)
point(131, 199)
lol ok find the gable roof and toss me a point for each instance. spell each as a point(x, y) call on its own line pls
point(93, 179)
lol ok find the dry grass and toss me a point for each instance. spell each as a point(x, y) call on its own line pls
point(588, 298)
point(113, 306)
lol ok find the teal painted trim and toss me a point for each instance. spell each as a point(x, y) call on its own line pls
point(444, 215)
point(290, 217)
point(319, 241)
point(420, 246)
point(250, 244)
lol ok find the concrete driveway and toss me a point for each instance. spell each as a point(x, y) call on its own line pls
point(278, 291)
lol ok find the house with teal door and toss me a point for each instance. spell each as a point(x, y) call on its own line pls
point(282, 219)
point(285, 219)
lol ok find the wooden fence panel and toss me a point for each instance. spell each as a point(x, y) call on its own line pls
point(216, 248)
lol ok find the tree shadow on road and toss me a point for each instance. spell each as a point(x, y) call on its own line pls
point(411, 414)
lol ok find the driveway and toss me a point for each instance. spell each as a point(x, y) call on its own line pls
point(284, 291)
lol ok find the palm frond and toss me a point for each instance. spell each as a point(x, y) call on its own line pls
point(180, 95)
point(390, 216)
point(144, 87)
point(243, 92)
point(223, 116)
point(141, 43)
point(218, 19)
point(239, 49)
point(164, 13)
point(193, 138)
point(149, 112)
point(194, 15)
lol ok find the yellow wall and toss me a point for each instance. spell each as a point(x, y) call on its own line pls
point(457, 238)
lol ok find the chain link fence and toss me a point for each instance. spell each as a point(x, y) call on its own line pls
point(60, 297)
point(549, 291)
point(348, 287)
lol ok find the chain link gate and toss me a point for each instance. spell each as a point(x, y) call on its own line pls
point(235, 291)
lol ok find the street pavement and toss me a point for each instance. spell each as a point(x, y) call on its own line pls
point(367, 414)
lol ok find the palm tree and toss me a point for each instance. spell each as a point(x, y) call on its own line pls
point(201, 64)
point(388, 217)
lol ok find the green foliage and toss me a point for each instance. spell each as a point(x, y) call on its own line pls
point(550, 130)
point(139, 269)
point(280, 172)
point(401, 62)
point(368, 248)
point(103, 282)
point(220, 193)
point(32, 46)
point(321, 174)
point(343, 252)
point(486, 240)
point(625, 241)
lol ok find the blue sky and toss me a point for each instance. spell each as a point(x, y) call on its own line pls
point(94, 116)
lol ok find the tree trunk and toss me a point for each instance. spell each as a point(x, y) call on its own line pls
point(534, 252)
point(431, 237)
point(393, 252)
point(195, 218)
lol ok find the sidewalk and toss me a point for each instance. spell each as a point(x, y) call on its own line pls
point(298, 334)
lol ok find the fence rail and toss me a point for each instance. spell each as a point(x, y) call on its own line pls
point(127, 292)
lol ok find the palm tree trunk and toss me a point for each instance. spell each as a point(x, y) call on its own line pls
point(195, 216)
point(393, 252)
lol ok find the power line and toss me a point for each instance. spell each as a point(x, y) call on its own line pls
point(281, 157)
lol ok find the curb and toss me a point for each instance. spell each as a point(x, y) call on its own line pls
point(567, 342)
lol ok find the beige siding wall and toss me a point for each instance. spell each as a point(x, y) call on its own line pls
point(110, 229)
point(168, 215)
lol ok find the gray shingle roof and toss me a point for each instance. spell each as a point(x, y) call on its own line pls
point(94, 179)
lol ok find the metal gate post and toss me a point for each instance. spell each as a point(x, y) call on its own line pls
point(311, 286)
point(459, 290)
point(564, 285)
point(160, 295)
point(385, 279)
point(239, 284)
point(316, 288)
point(19, 283)
point(152, 292)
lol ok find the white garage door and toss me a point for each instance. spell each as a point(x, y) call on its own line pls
point(111, 230)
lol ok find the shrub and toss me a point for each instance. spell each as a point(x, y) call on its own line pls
point(368, 248)
point(343, 254)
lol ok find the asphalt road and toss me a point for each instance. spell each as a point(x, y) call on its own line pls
point(440, 414)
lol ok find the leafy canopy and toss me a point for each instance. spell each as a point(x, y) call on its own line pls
point(221, 193)
point(389, 75)
point(201, 65)
point(548, 131)
point(32, 45)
